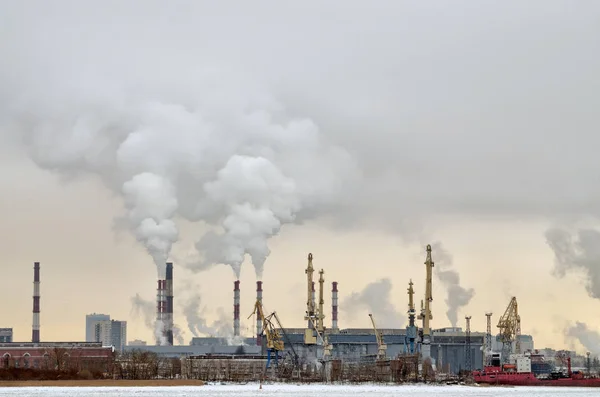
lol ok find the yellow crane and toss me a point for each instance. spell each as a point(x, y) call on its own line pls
point(274, 341)
point(381, 347)
point(510, 329)
point(327, 347)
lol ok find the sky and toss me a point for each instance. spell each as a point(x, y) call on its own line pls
point(235, 138)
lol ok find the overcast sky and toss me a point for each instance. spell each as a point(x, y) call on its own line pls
point(379, 127)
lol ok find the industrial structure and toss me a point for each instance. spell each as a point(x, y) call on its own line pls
point(418, 350)
point(35, 332)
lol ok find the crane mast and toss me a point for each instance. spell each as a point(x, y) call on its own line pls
point(381, 347)
point(309, 336)
point(425, 314)
point(411, 329)
point(321, 314)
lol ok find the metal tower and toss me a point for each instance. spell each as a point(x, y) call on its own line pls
point(487, 356)
point(468, 366)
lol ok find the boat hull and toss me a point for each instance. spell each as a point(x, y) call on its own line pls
point(529, 379)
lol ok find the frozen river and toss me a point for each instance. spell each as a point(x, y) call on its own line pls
point(301, 391)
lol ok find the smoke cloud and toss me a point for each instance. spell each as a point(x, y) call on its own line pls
point(588, 338)
point(375, 298)
point(457, 296)
point(195, 316)
point(580, 252)
point(245, 169)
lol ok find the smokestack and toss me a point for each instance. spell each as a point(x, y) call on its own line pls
point(35, 332)
point(258, 320)
point(334, 306)
point(169, 308)
point(161, 308)
point(236, 308)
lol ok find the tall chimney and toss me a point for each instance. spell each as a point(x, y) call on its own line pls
point(334, 306)
point(169, 308)
point(236, 308)
point(258, 320)
point(35, 332)
point(161, 309)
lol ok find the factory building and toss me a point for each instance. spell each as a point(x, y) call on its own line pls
point(6, 335)
point(50, 355)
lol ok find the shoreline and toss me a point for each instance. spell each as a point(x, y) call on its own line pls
point(101, 383)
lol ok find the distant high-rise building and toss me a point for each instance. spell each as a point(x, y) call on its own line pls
point(90, 325)
point(6, 335)
point(111, 333)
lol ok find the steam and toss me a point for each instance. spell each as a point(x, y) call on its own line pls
point(588, 338)
point(579, 252)
point(197, 324)
point(236, 162)
point(146, 310)
point(457, 296)
point(375, 298)
point(151, 202)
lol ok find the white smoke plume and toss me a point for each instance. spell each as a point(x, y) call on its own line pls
point(588, 338)
point(579, 251)
point(147, 311)
point(242, 166)
point(457, 296)
point(375, 298)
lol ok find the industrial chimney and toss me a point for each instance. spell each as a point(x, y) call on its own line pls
point(236, 308)
point(258, 320)
point(334, 306)
point(161, 309)
point(169, 308)
point(35, 333)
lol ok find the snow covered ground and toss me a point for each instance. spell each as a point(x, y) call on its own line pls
point(252, 390)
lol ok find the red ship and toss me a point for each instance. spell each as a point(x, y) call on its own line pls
point(521, 375)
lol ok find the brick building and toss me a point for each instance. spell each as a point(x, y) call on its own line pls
point(56, 355)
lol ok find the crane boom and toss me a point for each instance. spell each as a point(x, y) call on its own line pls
point(381, 347)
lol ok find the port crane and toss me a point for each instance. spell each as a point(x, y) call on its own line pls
point(510, 329)
point(381, 347)
point(274, 341)
point(327, 347)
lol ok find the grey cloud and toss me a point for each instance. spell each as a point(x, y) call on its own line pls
point(377, 117)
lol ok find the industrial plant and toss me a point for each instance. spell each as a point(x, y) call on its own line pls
point(320, 351)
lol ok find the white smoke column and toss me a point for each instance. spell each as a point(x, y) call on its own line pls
point(151, 202)
point(256, 199)
point(577, 252)
point(375, 298)
point(457, 296)
point(588, 338)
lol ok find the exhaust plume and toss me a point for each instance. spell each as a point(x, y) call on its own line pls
point(588, 338)
point(245, 168)
point(375, 298)
point(457, 296)
point(577, 252)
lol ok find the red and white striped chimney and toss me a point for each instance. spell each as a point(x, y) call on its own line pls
point(258, 320)
point(236, 308)
point(35, 332)
point(161, 310)
point(334, 306)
